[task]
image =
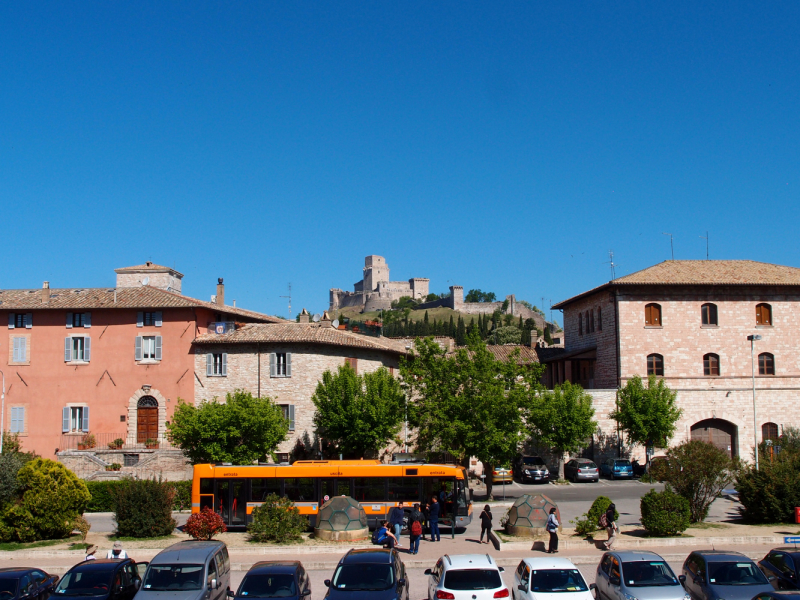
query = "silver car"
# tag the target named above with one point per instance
(637, 576)
(189, 570)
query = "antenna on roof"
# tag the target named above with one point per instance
(316, 318)
(671, 247)
(610, 262)
(705, 237)
(290, 299)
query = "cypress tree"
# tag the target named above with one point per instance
(520, 322)
(451, 330)
(461, 333)
(547, 337)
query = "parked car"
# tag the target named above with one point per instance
(466, 577)
(370, 573)
(714, 575)
(536, 577)
(501, 474)
(784, 565)
(779, 595)
(530, 468)
(19, 582)
(274, 579)
(581, 469)
(617, 468)
(643, 575)
(107, 578)
(190, 570)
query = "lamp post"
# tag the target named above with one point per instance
(3, 413)
(753, 339)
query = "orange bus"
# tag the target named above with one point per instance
(233, 491)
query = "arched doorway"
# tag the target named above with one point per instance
(146, 419)
(720, 433)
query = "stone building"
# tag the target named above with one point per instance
(689, 322)
(285, 362)
(375, 291)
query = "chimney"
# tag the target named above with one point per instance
(46, 292)
(304, 316)
(326, 320)
(220, 292)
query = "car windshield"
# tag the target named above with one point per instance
(161, 578)
(622, 463)
(472, 579)
(367, 576)
(735, 573)
(268, 585)
(645, 574)
(557, 580)
(533, 460)
(85, 582)
(8, 587)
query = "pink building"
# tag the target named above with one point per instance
(689, 322)
(111, 362)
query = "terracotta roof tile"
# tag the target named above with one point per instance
(148, 266)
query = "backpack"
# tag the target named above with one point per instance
(603, 521)
(376, 537)
(416, 528)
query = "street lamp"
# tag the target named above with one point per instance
(3, 413)
(753, 339)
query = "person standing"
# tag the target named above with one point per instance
(434, 520)
(426, 518)
(117, 551)
(90, 553)
(486, 522)
(414, 529)
(552, 529)
(611, 526)
(396, 516)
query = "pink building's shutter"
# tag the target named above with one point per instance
(85, 424)
(67, 349)
(139, 320)
(69, 320)
(65, 419)
(87, 348)
(11, 320)
(28, 320)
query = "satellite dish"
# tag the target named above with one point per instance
(335, 323)
(316, 318)
(145, 281)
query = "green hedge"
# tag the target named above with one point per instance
(103, 495)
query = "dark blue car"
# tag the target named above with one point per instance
(716, 575)
(274, 579)
(369, 574)
(784, 565)
(17, 583)
(617, 468)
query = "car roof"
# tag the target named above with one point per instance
(368, 555)
(636, 555)
(549, 563)
(793, 552)
(274, 566)
(100, 564)
(18, 570)
(720, 555)
(468, 561)
(188, 551)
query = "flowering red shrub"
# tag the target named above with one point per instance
(204, 525)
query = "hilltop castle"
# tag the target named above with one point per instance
(375, 291)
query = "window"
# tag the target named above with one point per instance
(580, 323)
(655, 365)
(766, 364)
(130, 460)
(711, 365)
(280, 364)
(591, 320)
(708, 314)
(147, 319)
(288, 414)
(217, 364)
(352, 363)
(299, 488)
(763, 314)
(369, 489)
(19, 349)
(652, 315)
(403, 489)
(75, 418)
(599, 319)
(79, 320)
(17, 419)
(260, 488)
(147, 347)
(20, 320)
(77, 349)
(769, 431)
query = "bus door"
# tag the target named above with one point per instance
(435, 486)
(231, 501)
(338, 486)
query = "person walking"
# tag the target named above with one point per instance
(611, 526)
(434, 520)
(396, 516)
(414, 529)
(117, 551)
(486, 522)
(552, 529)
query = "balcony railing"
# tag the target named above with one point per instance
(221, 327)
(99, 442)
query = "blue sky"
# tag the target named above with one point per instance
(502, 146)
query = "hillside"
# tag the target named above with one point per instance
(440, 314)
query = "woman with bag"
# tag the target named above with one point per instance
(552, 529)
(414, 529)
(486, 522)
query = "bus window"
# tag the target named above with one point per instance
(299, 489)
(206, 486)
(369, 489)
(461, 498)
(261, 487)
(334, 487)
(405, 489)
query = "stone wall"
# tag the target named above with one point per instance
(599, 306)
(168, 464)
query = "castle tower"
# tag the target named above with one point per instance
(375, 271)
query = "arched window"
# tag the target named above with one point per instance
(766, 364)
(769, 431)
(655, 365)
(591, 320)
(599, 319)
(711, 365)
(763, 314)
(652, 315)
(580, 323)
(708, 314)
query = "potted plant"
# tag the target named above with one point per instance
(151, 444)
(114, 467)
(116, 444)
(87, 441)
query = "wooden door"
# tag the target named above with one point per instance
(716, 432)
(147, 424)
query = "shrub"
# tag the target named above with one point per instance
(665, 513)
(203, 525)
(183, 495)
(770, 494)
(11, 443)
(51, 497)
(116, 444)
(143, 508)
(103, 495)
(590, 521)
(81, 524)
(10, 464)
(276, 520)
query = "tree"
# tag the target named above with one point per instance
(548, 339)
(143, 508)
(240, 430)
(461, 332)
(647, 414)
(358, 414)
(506, 335)
(562, 418)
(479, 296)
(468, 403)
(404, 302)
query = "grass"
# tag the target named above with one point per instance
(704, 525)
(12, 546)
(79, 546)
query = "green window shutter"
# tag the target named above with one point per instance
(11, 323)
(157, 317)
(87, 320)
(140, 319)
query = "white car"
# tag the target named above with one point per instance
(466, 577)
(549, 579)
